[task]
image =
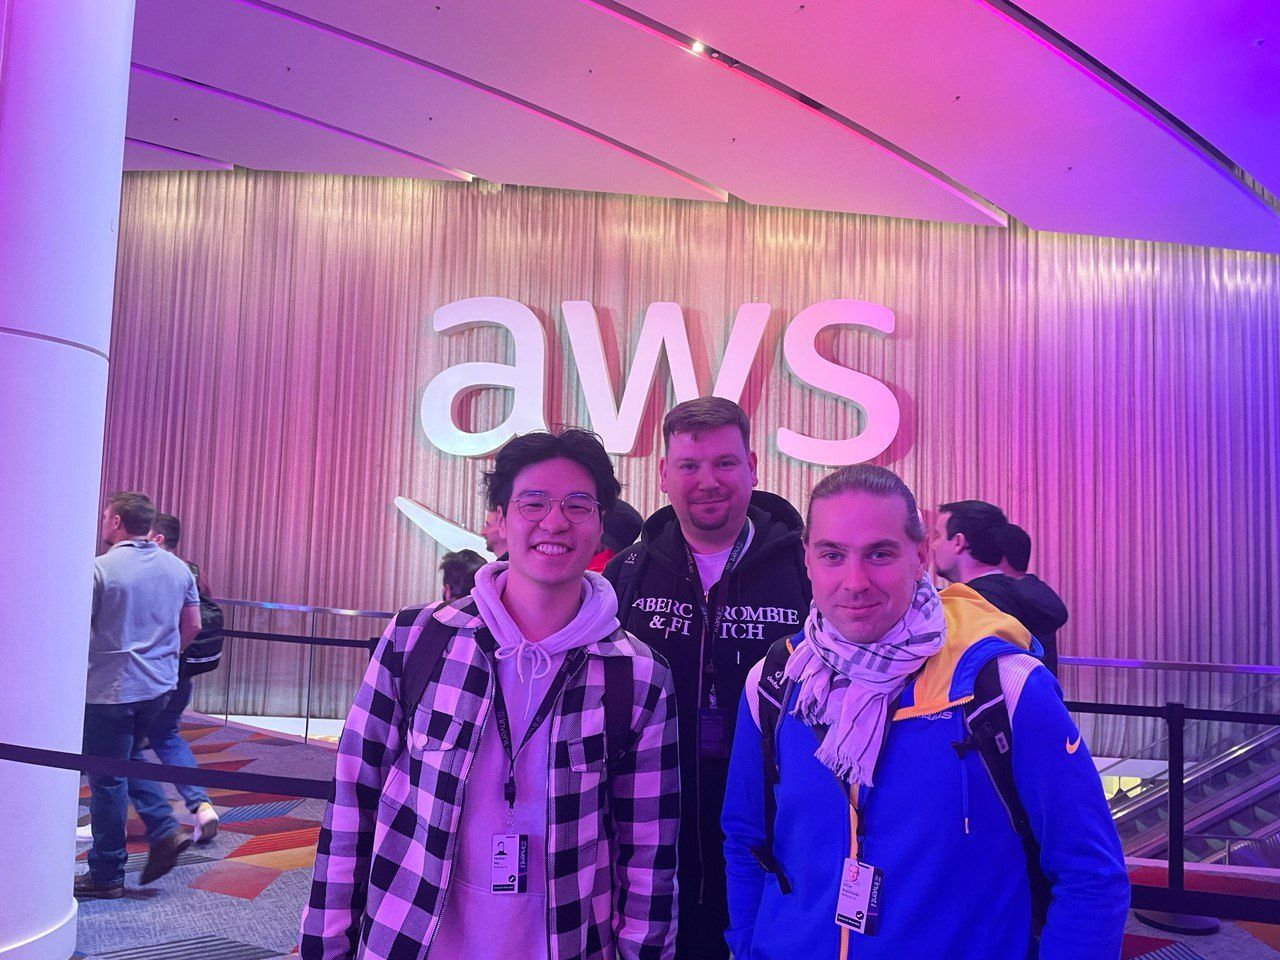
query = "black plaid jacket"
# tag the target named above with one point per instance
(385, 851)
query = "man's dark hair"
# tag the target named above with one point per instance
(169, 527)
(581, 446)
(1015, 545)
(458, 571)
(135, 510)
(705, 413)
(877, 481)
(978, 521)
(621, 527)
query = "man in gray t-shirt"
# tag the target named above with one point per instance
(145, 611)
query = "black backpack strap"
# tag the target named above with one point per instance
(991, 735)
(634, 560)
(422, 660)
(772, 694)
(619, 738)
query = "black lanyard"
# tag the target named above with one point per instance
(702, 595)
(711, 620)
(567, 669)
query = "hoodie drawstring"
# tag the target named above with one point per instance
(539, 666)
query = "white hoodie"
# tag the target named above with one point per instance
(477, 924)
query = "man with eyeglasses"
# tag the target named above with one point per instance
(507, 782)
(716, 578)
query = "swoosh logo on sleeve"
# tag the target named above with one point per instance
(1072, 747)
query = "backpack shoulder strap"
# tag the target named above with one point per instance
(423, 658)
(772, 694)
(619, 738)
(987, 718)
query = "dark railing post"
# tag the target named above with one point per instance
(1176, 718)
(311, 663)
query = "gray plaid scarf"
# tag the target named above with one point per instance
(848, 687)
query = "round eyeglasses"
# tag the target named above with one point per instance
(577, 507)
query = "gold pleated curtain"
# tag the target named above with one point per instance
(272, 339)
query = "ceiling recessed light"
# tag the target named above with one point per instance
(697, 46)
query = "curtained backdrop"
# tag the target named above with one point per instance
(272, 339)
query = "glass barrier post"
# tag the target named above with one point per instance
(227, 644)
(1176, 718)
(311, 661)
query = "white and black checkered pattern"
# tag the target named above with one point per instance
(383, 861)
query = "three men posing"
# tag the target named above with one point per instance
(551, 831)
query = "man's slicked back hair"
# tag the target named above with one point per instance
(581, 446)
(876, 481)
(979, 522)
(135, 510)
(705, 413)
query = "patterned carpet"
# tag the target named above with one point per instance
(240, 897)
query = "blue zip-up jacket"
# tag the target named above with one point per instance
(955, 879)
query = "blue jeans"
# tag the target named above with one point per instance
(169, 746)
(114, 730)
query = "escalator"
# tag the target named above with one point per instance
(1232, 805)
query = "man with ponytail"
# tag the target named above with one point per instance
(905, 780)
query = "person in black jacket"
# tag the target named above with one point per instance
(716, 578)
(975, 544)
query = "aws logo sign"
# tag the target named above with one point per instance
(616, 416)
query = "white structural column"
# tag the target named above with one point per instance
(64, 74)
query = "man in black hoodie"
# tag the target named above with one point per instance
(716, 578)
(975, 544)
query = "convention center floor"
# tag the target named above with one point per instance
(240, 896)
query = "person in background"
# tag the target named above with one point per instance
(858, 821)
(1024, 595)
(716, 577)
(494, 541)
(621, 527)
(164, 737)
(969, 544)
(146, 608)
(458, 573)
(562, 727)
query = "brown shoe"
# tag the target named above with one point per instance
(164, 855)
(87, 888)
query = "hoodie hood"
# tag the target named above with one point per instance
(1029, 599)
(596, 619)
(975, 633)
(777, 524)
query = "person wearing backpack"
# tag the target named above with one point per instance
(906, 780)
(202, 656)
(717, 576)
(507, 782)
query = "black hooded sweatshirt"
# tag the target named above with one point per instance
(1031, 602)
(764, 597)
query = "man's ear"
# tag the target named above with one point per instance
(961, 543)
(662, 474)
(751, 465)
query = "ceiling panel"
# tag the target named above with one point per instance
(1213, 65)
(961, 87)
(278, 59)
(139, 155)
(195, 119)
(575, 60)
